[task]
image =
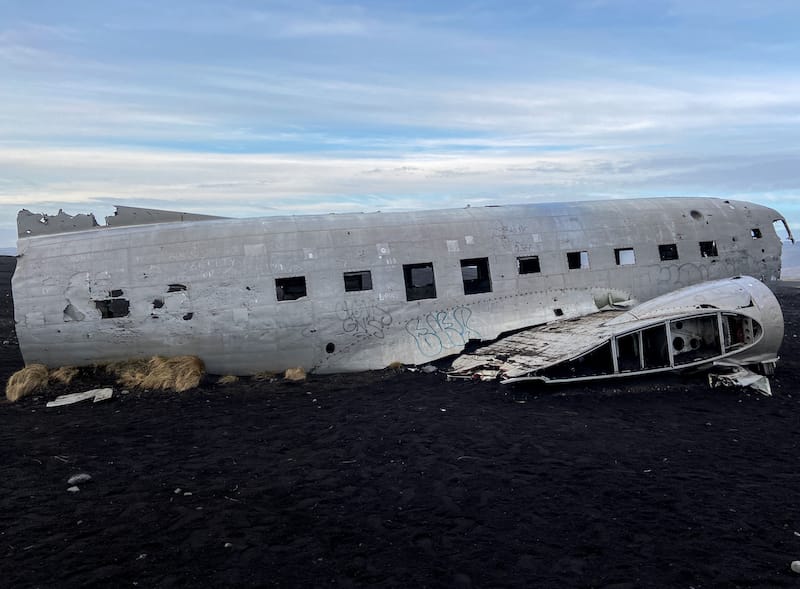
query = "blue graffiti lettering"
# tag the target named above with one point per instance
(438, 331)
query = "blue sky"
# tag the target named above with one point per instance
(245, 108)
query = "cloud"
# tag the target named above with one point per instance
(247, 107)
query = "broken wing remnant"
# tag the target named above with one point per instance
(728, 323)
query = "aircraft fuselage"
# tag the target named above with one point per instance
(348, 292)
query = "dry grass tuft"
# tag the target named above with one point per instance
(64, 375)
(23, 382)
(129, 373)
(228, 379)
(263, 376)
(396, 366)
(179, 373)
(295, 374)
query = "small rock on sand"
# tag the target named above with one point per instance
(73, 489)
(796, 566)
(77, 479)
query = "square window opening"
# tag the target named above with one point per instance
(708, 249)
(578, 260)
(625, 256)
(420, 283)
(356, 281)
(475, 275)
(290, 289)
(529, 265)
(668, 251)
(113, 308)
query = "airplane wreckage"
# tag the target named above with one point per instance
(587, 290)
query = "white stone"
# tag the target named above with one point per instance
(77, 479)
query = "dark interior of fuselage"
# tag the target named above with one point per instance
(679, 342)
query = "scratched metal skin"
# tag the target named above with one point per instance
(227, 311)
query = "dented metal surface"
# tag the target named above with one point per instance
(734, 322)
(335, 293)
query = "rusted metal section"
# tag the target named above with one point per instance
(735, 322)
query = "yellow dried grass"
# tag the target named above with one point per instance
(295, 374)
(129, 373)
(24, 382)
(63, 375)
(228, 379)
(179, 373)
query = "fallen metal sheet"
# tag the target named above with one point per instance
(95, 394)
(741, 377)
(538, 347)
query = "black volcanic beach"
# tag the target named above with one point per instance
(402, 479)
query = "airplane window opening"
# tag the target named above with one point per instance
(654, 345)
(114, 294)
(696, 215)
(475, 275)
(158, 303)
(696, 339)
(558, 312)
(782, 230)
(594, 363)
(113, 308)
(668, 251)
(738, 331)
(755, 233)
(290, 289)
(188, 316)
(578, 260)
(356, 281)
(529, 265)
(330, 348)
(625, 256)
(708, 249)
(628, 352)
(176, 288)
(420, 283)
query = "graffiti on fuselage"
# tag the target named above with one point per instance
(362, 319)
(438, 331)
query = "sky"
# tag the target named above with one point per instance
(250, 108)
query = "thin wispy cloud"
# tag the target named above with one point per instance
(316, 106)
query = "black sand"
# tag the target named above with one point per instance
(404, 480)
